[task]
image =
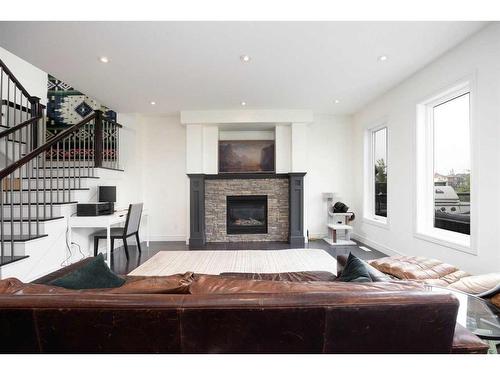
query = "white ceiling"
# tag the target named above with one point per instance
(196, 65)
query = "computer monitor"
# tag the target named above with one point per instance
(107, 194)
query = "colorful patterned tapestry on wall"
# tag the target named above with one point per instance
(67, 106)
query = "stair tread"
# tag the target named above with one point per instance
(48, 189)
(7, 259)
(55, 177)
(25, 219)
(40, 203)
(75, 166)
(22, 238)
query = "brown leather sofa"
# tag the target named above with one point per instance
(227, 314)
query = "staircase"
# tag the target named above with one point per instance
(43, 176)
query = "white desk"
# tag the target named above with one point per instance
(106, 222)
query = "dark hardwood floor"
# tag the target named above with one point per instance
(120, 265)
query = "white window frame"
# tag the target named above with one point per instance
(424, 177)
(369, 178)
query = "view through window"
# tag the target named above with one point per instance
(452, 164)
(380, 180)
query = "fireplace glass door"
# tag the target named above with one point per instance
(247, 214)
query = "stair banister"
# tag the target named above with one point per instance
(71, 155)
(14, 79)
(98, 139)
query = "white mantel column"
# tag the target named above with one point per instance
(283, 144)
(299, 147)
(194, 149)
(210, 149)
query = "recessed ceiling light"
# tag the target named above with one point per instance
(382, 58)
(245, 58)
(104, 59)
(336, 101)
(153, 103)
(243, 103)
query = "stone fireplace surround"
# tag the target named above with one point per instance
(216, 192)
(208, 194)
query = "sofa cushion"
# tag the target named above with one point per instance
(173, 284)
(355, 270)
(215, 284)
(417, 268)
(285, 276)
(95, 274)
(482, 285)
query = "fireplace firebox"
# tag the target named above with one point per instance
(246, 214)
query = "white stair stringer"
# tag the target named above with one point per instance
(49, 253)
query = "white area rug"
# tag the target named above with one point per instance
(248, 261)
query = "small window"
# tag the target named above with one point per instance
(376, 174)
(380, 170)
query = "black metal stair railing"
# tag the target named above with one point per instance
(20, 118)
(46, 176)
(39, 169)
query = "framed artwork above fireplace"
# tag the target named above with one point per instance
(246, 156)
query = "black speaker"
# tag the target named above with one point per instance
(95, 209)
(107, 194)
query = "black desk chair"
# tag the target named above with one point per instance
(131, 228)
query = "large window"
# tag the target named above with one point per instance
(376, 175)
(444, 167)
(452, 164)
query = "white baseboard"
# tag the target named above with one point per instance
(317, 236)
(340, 242)
(165, 238)
(377, 246)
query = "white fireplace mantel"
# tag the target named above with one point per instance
(255, 117)
(202, 136)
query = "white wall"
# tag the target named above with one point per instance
(164, 177)
(33, 79)
(154, 162)
(130, 187)
(328, 168)
(163, 165)
(478, 56)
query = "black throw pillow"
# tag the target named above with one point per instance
(93, 275)
(355, 271)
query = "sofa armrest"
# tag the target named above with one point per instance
(465, 342)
